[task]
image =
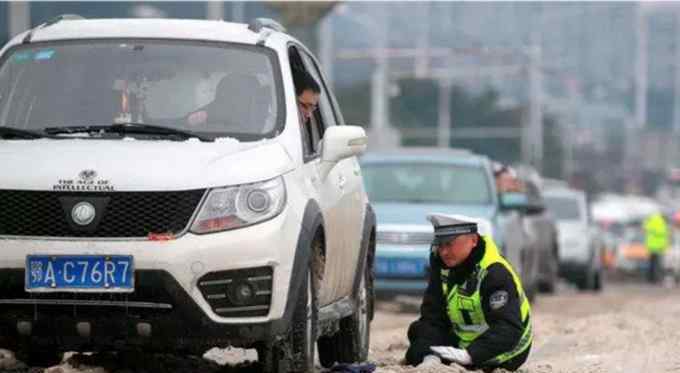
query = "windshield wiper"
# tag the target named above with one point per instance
(125, 128)
(16, 133)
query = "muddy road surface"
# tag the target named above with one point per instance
(629, 328)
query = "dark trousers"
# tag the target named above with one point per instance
(655, 268)
(422, 335)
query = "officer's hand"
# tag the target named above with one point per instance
(456, 355)
(429, 361)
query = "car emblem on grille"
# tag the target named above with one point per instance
(83, 213)
(87, 175)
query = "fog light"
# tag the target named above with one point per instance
(144, 329)
(84, 329)
(24, 328)
(242, 293)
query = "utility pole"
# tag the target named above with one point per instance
(379, 85)
(676, 92)
(326, 55)
(422, 61)
(532, 149)
(571, 122)
(379, 78)
(444, 107)
(214, 10)
(19, 17)
(632, 149)
(640, 67)
(532, 141)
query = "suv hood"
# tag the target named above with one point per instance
(412, 213)
(137, 165)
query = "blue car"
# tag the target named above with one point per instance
(405, 185)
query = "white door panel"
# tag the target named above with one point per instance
(354, 212)
(330, 201)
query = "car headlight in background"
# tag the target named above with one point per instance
(239, 206)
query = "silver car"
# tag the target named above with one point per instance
(580, 252)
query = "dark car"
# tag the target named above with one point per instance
(541, 228)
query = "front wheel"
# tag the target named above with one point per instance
(296, 352)
(598, 283)
(350, 343)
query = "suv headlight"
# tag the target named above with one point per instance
(239, 206)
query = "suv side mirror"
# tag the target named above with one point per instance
(514, 201)
(340, 142)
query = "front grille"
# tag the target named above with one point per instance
(219, 290)
(404, 238)
(125, 214)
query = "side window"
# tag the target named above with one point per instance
(309, 130)
(325, 106)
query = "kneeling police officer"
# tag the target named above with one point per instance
(474, 311)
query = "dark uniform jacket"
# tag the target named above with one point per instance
(434, 326)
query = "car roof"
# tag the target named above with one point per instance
(563, 192)
(428, 155)
(143, 28)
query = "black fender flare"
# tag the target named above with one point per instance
(367, 251)
(312, 219)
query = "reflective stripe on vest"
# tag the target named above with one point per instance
(465, 309)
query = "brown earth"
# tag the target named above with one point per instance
(629, 328)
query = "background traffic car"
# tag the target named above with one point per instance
(580, 254)
(406, 184)
(541, 228)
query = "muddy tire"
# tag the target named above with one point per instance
(350, 343)
(587, 281)
(598, 283)
(549, 284)
(296, 352)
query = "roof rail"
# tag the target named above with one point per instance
(50, 22)
(258, 24)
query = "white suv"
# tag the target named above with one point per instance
(122, 225)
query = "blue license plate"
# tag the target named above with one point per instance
(94, 273)
(410, 267)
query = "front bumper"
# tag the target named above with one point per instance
(172, 322)
(170, 273)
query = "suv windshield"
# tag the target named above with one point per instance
(216, 90)
(564, 208)
(426, 183)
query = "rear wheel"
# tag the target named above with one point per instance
(350, 343)
(526, 271)
(598, 283)
(549, 284)
(586, 281)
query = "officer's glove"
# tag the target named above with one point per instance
(429, 361)
(456, 355)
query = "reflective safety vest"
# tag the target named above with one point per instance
(465, 309)
(656, 234)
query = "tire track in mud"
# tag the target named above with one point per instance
(626, 329)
